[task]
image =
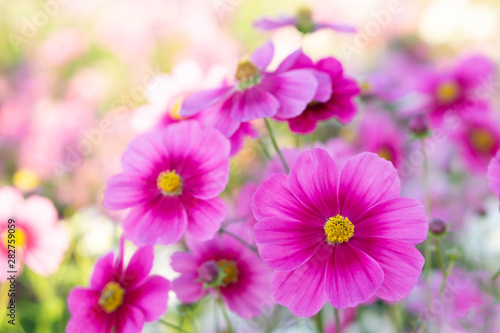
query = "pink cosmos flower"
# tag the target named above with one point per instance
(494, 174)
(171, 182)
(223, 264)
(256, 92)
(479, 141)
(302, 21)
(341, 238)
(36, 227)
(335, 102)
(119, 299)
(379, 133)
(465, 88)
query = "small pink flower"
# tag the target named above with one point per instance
(223, 264)
(334, 96)
(494, 174)
(256, 92)
(171, 182)
(462, 89)
(338, 238)
(302, 21)
(40, 241)
(119, 299)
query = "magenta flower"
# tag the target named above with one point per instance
(223, 264)
(171, 184)
(119, 300)
(256, 92)
(494, 174)
(338, 238)
(335, 102)
(34, 229)
(302, 21)
(464, 88)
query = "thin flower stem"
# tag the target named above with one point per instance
(224, 313)
(427, 244)
(337, 320)
(440, 262)
(239, 239)
(264, 149)
(494, 277)
(318, 320)
(166, 323)
(275, 145)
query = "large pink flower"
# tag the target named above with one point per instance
(256, 92)
(223, 263)
(40, 240)
(338, 238)
(494, 174)
(171, 179)
(119, 299)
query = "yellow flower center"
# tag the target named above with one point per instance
(16, 238)
(169, 183)
(482, 140)
(338, 229)
(448, 92)
(176, 107)
(229, 269)
(26, 180)
(111, 297)
(247, 74)
(385, 153)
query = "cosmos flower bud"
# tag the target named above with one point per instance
(419, 125)
(208, 272)
(437, 226)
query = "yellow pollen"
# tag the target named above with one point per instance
(111, 297)
(17, 238)
(228, 267)
(176, 107)
(385, 153)
(169, 183)
(366, 87)
(338, 229)
(447, 92)
(482, 140)
(26, 180)
(247, 73)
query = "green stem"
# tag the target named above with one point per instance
(440, 262)
(494, 277)
(337, 320)
(264, 149)
(275, 145)
(427, 244)
(318, 320)
(166, 323)
(239, 239)
(224, 313)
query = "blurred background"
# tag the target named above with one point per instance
(80, 78)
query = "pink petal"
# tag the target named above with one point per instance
(324, 91)
(203, 100)
(129, 319)
(204, 216)
(184, 262)
(138, 268)
(254, 103)
(85, 312)
(161, 221)
(219, 118)
(303, 124)
(366, 180)
(187, 289)
(271, 24)
(38, 210)
(399, 218)
(286, 244)
(151, 297)
(104, 272)
(352, 277)
(295, 60)
(293, 90)
(402, 265)
(263, 55)
(337, 27)
(12, 200)
(146, 155)
(125, 190)
(273, 198)
(494, 174)
(313, 180)
(303, 290)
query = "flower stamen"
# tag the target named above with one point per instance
(111, 297)
(338, 229)
(447, 92)
(169, 182)
(247, 74)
